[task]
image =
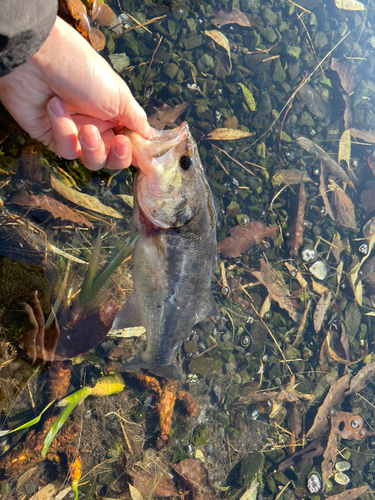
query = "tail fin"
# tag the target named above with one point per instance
(170, 372)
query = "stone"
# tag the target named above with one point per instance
(306, 119)
(119, 61)
(171, 70)
(270, 16)
(205, 63)
(193, 41)
(279, 73)
(200, 435)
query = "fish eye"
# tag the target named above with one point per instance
(185, 162)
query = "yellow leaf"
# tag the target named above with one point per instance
(227, 134)
(349, 5)
(134, 493)
(126, 198)
(221, 40)
(83, 200)
(318, 287)
(320, 310)
(344, 147)
(248, 97)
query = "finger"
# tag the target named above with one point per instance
(120, 154)
(65, 134)
(94, 152)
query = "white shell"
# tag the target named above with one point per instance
(319, 270)
(342, 466)
(341, 478)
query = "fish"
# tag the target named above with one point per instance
(175, 253)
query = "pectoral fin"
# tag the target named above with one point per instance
(207, 308)
(128, 316)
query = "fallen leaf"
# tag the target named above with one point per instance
(365, 135)
(126, 198)
(331, 164)
(274, 282)
(347, 72)
(227, 134)
(369, 228)
(335, 397)
(295, 239)
(248, 97)
(290, 177)
(363, 377)
(83, 200)
(344, 148)
(348, 425)
(349, 5)
(244, 238)
(329, 457)
(252, 492)
(315, 449)
(167, 115)
(350, 494)
(152, 483)
(337, 246)
(321, 309)
(367, 198)
(221, 18)
(345, 215)
(323, 191)
(221, 40)
(195, 477)
(55, 208)
(134, 493)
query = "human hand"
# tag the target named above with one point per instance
(69, 98)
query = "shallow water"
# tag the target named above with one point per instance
(252, 372)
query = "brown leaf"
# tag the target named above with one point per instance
(335, 397)
(344, 148)
(345, 215)
(337, 246)
(166, 115)
(348, 113)
(227, 134)
(321, 309)
(244, 238)
(83, 200)
(367, 198)
(55, 208)
(295, 239)
(323, 191)
(329, 456)
(315, 449)
(148, 483)
(222, 18)
(195, 477)
(347, 72)
(274, 282)
(221, 40)
(369, 229)
(368, 272)
(363, 377)
(290, 177)
(365, 135)
(331, 164)
(351, 494)
(348, 425)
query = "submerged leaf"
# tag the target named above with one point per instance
(365, 135)
(83, 200)
(321, 309)
(349, 5)
(221, 40)
(347, 72)
(221, 18)
(248, 97)
(274, 282)
(345, 215)
(290, 177)
(244, 238)
(166, 115)
(344, 147)
(295, 239)
(227, 134)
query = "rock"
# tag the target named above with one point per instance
(231, 122)
(269, 34)
(306, 119)
(119, 61)
(320, 40)
(171, 70)
(248, 467)
(200, 435)
(205, 63)
(192, 42)
(270, 16)
(278, 74)
(202, 366)
(294, 51)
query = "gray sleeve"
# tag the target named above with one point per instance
(24, 26)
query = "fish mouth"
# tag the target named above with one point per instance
(149, 153)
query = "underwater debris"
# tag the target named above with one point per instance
(243, 238)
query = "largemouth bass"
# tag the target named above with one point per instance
(175, 254)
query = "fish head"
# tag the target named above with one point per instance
(169, 177)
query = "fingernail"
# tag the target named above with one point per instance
(122, 150)
(91, 139)
(56, 107)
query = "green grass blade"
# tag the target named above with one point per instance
(28, 424)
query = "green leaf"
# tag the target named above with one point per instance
(248, 97)
(28, 424)
(327, 81)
